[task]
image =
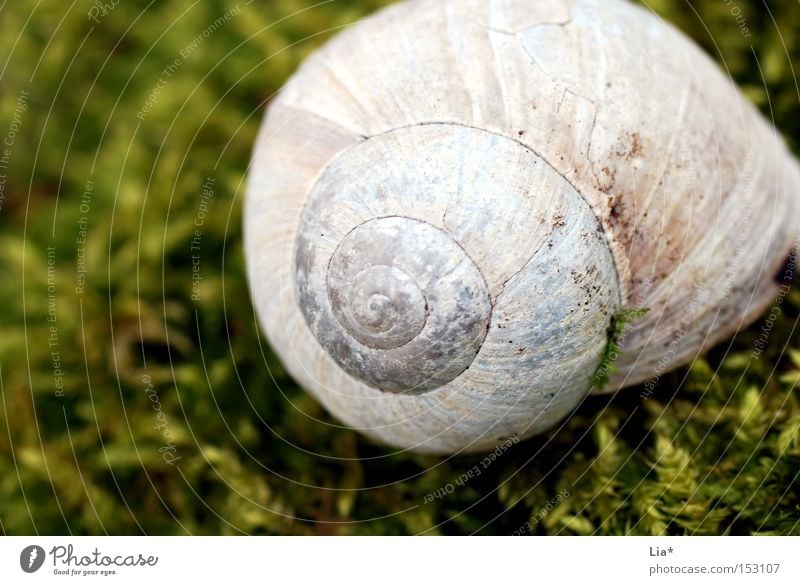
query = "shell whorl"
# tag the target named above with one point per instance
(408, 242)
(407, 308)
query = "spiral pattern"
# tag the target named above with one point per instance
(443, 284)
(409, 274)
(407, 309)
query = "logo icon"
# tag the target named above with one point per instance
(31, 558)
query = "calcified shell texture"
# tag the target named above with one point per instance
(451, 200)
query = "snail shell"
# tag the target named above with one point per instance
(451, 200)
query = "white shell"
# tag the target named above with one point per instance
(450, 201)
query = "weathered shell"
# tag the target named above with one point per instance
(451, 200)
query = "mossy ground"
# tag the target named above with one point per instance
(715, 449)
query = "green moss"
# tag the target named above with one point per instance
(619, 327)
(714, 449)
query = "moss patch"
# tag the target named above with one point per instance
(139, 399)
(617, 330)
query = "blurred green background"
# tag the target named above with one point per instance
(134, 403)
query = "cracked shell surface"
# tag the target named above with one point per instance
(555, 162)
